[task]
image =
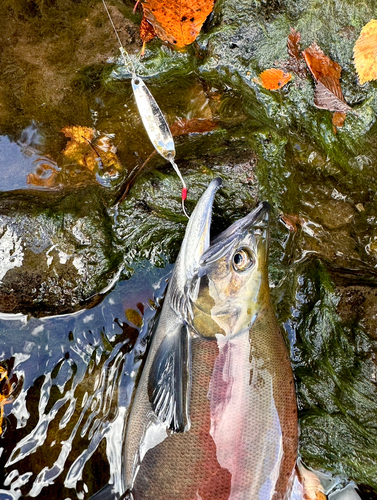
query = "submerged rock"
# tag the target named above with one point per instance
(56, 251)
(61, 250)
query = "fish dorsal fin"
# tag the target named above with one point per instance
(168, 383)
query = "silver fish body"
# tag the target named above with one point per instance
(214, 415)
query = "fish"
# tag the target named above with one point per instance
(214, 415)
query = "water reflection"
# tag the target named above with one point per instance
(19, 159)
(88, 157)
(73, 377)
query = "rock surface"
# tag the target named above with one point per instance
(62, 248)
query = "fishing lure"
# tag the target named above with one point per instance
(151, 115)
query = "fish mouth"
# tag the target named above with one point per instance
(255, 223)
(197, 236)
(257, 218)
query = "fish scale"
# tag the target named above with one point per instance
(187, 451)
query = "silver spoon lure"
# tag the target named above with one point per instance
(151, 115)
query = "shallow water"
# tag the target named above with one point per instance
(71, 376)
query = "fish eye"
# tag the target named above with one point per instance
(242, 259)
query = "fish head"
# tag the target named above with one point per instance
(232, 287)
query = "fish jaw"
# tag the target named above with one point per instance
(231, 295)
(196, 241)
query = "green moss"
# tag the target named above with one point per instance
(334, 369)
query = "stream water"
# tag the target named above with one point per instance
(82, 277)
(72, 378)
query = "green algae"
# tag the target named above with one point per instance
(333, 361)
(269, 145)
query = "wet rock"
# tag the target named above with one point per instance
(333, 355)
(335, 214)
(56, 251)
(63, 251)
(358, 304)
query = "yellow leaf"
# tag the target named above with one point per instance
(365, 53)
(90, 151)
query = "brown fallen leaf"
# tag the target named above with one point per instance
(193, 126)
(291, 221)
(296, 62)
(365, 53)
(45, 175)
(338, 120)
(327, 93)
(134, 317)
(326, 99)
(147, 33)
(274, 78)
(177, 21)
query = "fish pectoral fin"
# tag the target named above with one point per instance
(180, 301)
(169, 380)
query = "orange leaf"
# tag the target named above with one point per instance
(274, 79)
(4, 398)
(365, 53)
(177, 21)
(328, 93)
(338, 119)
(193, 126)
(147, 31)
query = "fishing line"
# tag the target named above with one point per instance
(151, 115)
(123, 51)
